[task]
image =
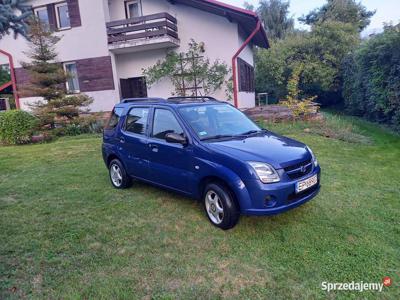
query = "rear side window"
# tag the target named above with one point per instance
(165, 122)
(136, 120)
(114, 119)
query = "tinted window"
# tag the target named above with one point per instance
(136, 120)
(165, 122)
(114, 119)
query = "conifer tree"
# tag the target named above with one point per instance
(14, 15)
(47, 80)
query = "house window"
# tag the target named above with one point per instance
(62, 16)
(42, 15)
(133, 9)
(246, 76)
(73, 80)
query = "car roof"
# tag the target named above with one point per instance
(171, 101)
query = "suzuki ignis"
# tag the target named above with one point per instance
(208, 150)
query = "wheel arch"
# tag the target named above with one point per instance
(216, 179)
(111, 157)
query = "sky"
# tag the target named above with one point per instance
(386, 10)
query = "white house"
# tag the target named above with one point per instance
(106, 43)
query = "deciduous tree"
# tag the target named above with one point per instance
(345, 11)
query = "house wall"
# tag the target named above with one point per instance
(84, 42)
(220, 37)
(89, 41)
(245, 99)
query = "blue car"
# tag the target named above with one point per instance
(208, 150)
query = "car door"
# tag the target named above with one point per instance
(170, 164)
(134, 141)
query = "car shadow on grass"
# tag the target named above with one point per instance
(194, 207)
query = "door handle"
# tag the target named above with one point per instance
(153, 147)
(122, 140)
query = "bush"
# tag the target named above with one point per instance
(299, 107)
(92, 124)
(321, 52)
(371, 78)
(16, 127)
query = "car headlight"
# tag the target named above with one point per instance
(314, 159)
(265, 172)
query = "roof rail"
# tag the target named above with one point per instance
(151, 99)
(192, 98)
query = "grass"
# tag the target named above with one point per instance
(66, 233)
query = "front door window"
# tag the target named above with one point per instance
(165, 122)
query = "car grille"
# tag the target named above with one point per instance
(299, 170)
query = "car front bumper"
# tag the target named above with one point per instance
(270, 199)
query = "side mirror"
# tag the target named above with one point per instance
(175, 138)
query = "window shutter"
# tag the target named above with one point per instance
(52, 16)
(95, 74)
(246, 76)
(74, 14)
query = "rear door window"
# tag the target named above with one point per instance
(136, 120)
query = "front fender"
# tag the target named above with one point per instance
(208, 168)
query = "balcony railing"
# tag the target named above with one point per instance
(142, 28)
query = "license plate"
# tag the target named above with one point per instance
(306, 183)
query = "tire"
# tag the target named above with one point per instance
(220, 206)
(118, 176)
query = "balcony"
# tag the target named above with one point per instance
(142, 33)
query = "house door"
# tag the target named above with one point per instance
(133, 87)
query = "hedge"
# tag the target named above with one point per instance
(372, 78)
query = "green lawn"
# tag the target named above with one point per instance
(66, 233)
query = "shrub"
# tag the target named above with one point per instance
(85, 124)
(299, 107)
(91, 124)
(371, 78)
(16, 127)
(73, 129)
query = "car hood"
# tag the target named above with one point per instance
(276, 150)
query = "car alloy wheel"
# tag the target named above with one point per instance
(116, 175)
(214, 207)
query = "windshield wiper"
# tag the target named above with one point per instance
(251, 132)
(217, 137)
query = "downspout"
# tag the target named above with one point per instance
(235, 89)
(13, 80)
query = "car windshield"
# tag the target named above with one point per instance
(218, 121)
